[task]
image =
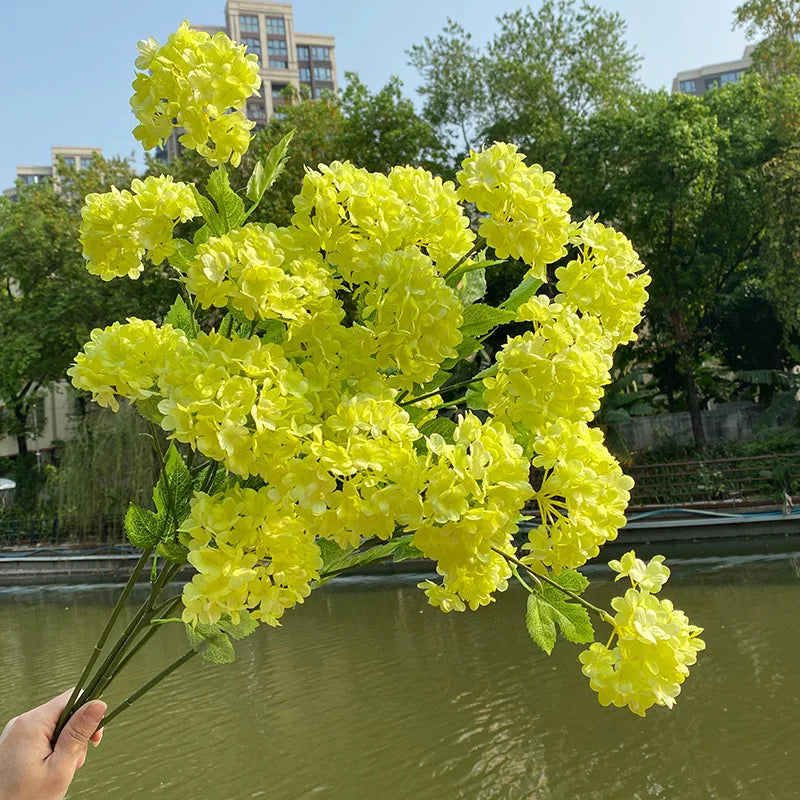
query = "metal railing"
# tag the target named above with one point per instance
(50, 529)
(722, 480)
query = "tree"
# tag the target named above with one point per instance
(775, 24)
(48, 301)
(539, 80)
(684, 178)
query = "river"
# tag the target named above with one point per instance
(366, 692)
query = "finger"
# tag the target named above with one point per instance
(71, 744)
(49, 712)
(96, 737)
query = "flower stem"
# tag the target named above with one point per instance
(130, 700)
(120, 604)
(604, 615)
(479, 243)
(440, 390)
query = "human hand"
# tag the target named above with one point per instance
(30, 767)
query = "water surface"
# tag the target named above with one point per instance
(366, 692)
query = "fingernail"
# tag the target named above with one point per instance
(95, 711)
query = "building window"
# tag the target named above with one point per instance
(275, 25)
(323, 74)
(86, 161)
(69, 161)
(689, 87)
(729, 77)
(321, 53)
(712, 83)
(253, 45)
(256, 111)
(29, 179)
(248, 24)
(302, 53)
(305, 73)
(277, 47)
(276, 63)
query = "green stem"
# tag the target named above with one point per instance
(479, 243)
(167, 607)
(440, 390)
(129, 701)
(140, 620)
(604, 615)
(120, 604)
(212, 473)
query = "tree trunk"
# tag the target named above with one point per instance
(26, 475)
(693, 402)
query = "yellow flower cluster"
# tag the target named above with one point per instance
(528, 218)
(557, 370)
(582, 497)
(475, 490)
(655, 647)
(125, 360)
(605, 280)
(352, 215)
(249, 555)
(200, 83)
(258, 270)
(118, 228)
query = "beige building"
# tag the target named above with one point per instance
(699, 81)
(286, 57)
(50, 417)
(80, 157)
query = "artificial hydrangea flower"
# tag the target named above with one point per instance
(119, 228)
(655, 646)
(200, 83)
(528, 218)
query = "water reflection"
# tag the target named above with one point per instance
(367, 692)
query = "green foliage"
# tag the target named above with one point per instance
(442, 426)
(211, 643)
(107, 462)
(336, 559)
(774, 25)
(180, 317)
(549, 608)
(143, 528)
(230, 206)
(522, 293)
(480, 319)
(266, 172)
(48, 301)
(535, 84)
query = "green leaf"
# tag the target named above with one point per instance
(212, 644)
(333, 556)
(173, 551)
(268, 171)
(143, 528)
(525, 439)
(472, 287)
(229, 205)
(479, 319)
(548, 607)
(241, 629)
(474, 396)
(202, 235)
(541, 627)
(406, 551)
(272, 331)
(148, 408)
(216, 225)
(183, 255)
(219, 481)
(172, 496)
(180, 317)
(526, 289)
(455, 278)
(442, 425)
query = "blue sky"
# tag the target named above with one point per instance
(67, 66)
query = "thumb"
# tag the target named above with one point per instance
(71, 745)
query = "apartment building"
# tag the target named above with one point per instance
(80, 157)
(286, 56)
(699, 81)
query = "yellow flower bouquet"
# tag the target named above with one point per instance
(317, 427)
